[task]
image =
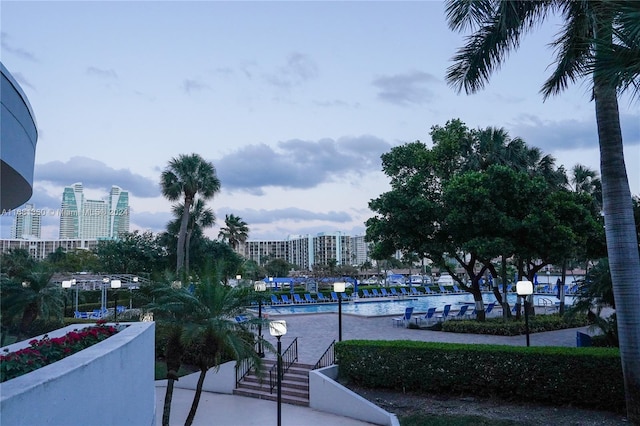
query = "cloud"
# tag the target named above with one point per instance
(298, 69)
(5, 40)
(155, 222)
(570, 134)
(190, 85)
(97, 175)
(299, 164)
(106, 74)
(405, 89)
(293, 214)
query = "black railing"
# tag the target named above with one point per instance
(242, 369)
(289, 356)
(328, 357)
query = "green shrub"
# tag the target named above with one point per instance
(512, 327)
(549, 375)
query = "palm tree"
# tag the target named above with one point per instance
(584, 180)
(187, 176)
(235, 231)
(595, 42)
(200, 217)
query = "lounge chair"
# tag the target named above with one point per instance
(320, 297)
(404, 291)
(415, 292)
(394, 292)
(334, 296)
(427, 317)
(427, 290)
(308, 299)
(365, 293)
(445, 313)
(241, 319)
(375, 292)
(345, 296)
(285, 299)
(457, 289)
(461, 313)
(275, 300)
(297, 299)
(489, 308)
(404, 319)
(442, 289)
(384, 292)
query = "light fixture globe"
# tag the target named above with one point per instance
(66, 284)
(339, 287)
(116, 283)
(260, 286)
(278, 328)
(524, 288)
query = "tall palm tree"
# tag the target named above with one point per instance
(595, 41)
(201, 217)
(585, 180)
(235, 231)
(185, 177)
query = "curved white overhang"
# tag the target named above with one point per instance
(18, 139)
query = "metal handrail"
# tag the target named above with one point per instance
(289, 356)
(242, 369)
(328, 357)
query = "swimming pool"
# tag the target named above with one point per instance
(368, 308)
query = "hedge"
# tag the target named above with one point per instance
(581, 377)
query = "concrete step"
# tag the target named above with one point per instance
(295, 384)
(287, 399)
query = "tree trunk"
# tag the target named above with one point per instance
(187, 245)
(182, 235)
(622, 244)
(196, 398)
(28, 316)
(166, 411)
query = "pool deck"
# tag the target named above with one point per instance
(315, 332)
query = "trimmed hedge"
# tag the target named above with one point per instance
(500, 327)
(583, 377)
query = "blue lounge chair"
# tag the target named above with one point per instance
(320, 297)
(404, 319)
(415, 292)
(334, 296)
(345, 296)
(427, 317)
(442, 289)
(297, 298)
(285, 299)
(445, 313)
(241, 319)
(375, 292)
(365, 293)
(274, 300)
(404, 291)
(427, 290)
(489, 308)
(394, 292)
(384, 292)
(461, 313)
(308, 299)
(457, 289)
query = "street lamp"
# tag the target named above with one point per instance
(279, 329)
(525, 289)
(103, 295)
(69, 284)
(238, 278)
(115, 284)
(339, 289)
(260, 287)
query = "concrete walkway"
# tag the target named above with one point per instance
(315, 333)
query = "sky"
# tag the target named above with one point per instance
(292, 102)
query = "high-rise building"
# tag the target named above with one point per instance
(26, 223)
(84, 218)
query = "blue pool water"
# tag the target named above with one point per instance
(394, 306)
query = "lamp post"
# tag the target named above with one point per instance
(103, 294)
(66, 284)
(339, 287)
(260, 287)
(238, 278)
(279, 329)
(525, 289)
(115, 284)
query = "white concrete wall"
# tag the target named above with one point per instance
(110, 383)
(325, 394)
(221, 381)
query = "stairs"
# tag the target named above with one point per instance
(295, 384)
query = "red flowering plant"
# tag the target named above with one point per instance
(49, 350)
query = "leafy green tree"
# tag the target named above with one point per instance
(235, 231)
(201, 217)
(277, 268)
(184, 178)
(598, 41)
(133, 253)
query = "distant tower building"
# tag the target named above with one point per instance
(70, 211)
(83, 218)
(26, 223)
(118, 212)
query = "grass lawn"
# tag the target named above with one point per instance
(452, 420)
